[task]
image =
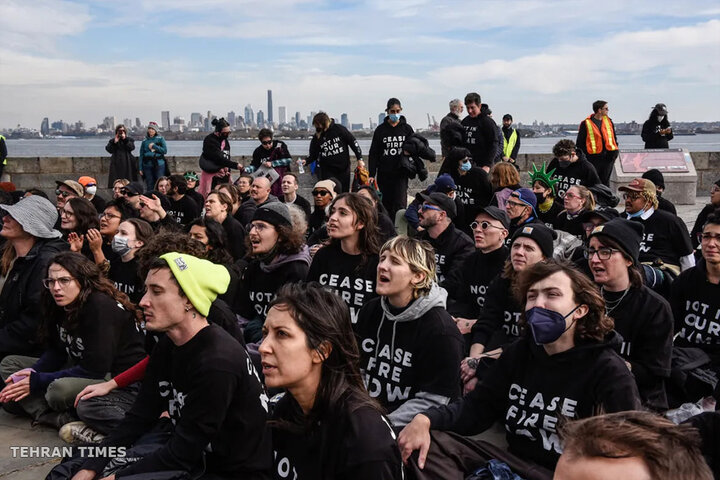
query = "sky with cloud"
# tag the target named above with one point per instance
(539, 60)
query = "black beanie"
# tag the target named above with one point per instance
(625, 233)
(274, 213)
(655, 176)
(541, 234)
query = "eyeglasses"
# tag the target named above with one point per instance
(259, 226)
(427, 206)
(65, 213)
(588, 226)
(109, 216)
(571, 195)
(631, 196)
(321, 193)
(515, 204)
(267, 143)
(603, 253)
(62, 192)
(706, 237)
(484, 225)
(63, 281)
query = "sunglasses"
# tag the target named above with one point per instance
(62, 192)
(631, 196)
(484, 225)
(128, 193)
(321, 193)
(427, 206)
(267, 143)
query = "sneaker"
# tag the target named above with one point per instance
(77, 433)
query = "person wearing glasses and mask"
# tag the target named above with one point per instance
(89, 330)
(666, 242)
(642, 317)
(31, 241)
(123, 164)
(465, 303)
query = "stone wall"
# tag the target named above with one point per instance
(42, 172)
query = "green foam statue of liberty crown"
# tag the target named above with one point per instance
(543, 176)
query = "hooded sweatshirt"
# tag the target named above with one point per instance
(386, 147)
(499, 320)
(332, 148)
(481, 138)
(410, 357)
(579, 172)
(452, 247)
(476, 273)
(531, 391)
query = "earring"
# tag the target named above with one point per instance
(187, 309)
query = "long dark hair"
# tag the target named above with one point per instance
(365, 213)
(290, 241)
(325, 320)
(217, 240)
(85, 214)
(376, 199)
(91, 279)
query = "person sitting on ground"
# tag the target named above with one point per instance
(218, 206)
(66, 190)
(499, 322)
(521, 209)
(260, 191)
(590, 219)
(666, 242)
(543, 185)
(153, 208)
(577, 200)
(247, 204)
(192, 178)
(132, 235)
(504, 179)
(385, 224)
(77, 217)
(201, 376)
(410, 346)
(707, 210)
(451, 245)
(100, 241)
(290, 187)
(278, 255)
(162, 185)
(271, 154)
(326, 425)
(564, 367)
(656, 176)
(631, 446)
(118, 185)
(231, 191)
(571, 168)
(465, 303)
(347, 265)
(182, 207)
(444, 183)
(90, 188)
(89, 329)
(695, 301)
(642, 317)
(30, 243)
(323, 193)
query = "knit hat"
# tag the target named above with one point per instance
(541, 234)
(328, 185)
(497, 213)
(87, 181)
(274, 213)
(154, 126)
(201, 280)
(456, 154)
(37, 216)
(627, 234)
(190, 175)
(655, 176)
(444, 184)
(441, 200)
(526, 196)
(72, 185)
(661, 108)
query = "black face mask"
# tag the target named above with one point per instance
(564, 163)
(224, 135)
(540, 198)
(318, 130)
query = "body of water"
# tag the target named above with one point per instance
(95, 147)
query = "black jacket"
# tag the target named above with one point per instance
(476, 273)
(261, 154)
(580, 172)
(214, 157)
(452, 248)
(481, 138)
(332, 148)
(386, 147)
(452, 133)
(236, 237)
(20, 311)
(246, 211)
(122, 163)
(651, 133)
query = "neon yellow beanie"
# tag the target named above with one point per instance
(201, 280)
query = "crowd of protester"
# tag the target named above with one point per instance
(217, 327)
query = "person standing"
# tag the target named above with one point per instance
(511, 143)
(656, 131)
(596, 138)
(451, 130)
(151, 160)
(215, 159)
(385, 157)
(330, 146)
(481, 133)
(122, 162)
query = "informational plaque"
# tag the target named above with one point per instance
(667, 160)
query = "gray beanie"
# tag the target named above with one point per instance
(274, 213)
(36, 215)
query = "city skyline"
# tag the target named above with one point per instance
(84, 59)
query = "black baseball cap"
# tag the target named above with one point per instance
(441, 200)
(497, 213)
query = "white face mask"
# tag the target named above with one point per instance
(91, 190)
(660, 118)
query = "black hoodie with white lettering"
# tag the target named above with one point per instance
(410, 356)
(530, 391)
(386, 147)
(351, 277)
(477, 272)
(499, 321)
(579, 172)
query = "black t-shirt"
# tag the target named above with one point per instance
(666, 237)
(126, 278)
(580, 172)
(349, 442)
(570, 224)
(343, 274)
(475, 276)
(184, 210)
(302, 203)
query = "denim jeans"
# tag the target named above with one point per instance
(152, 174)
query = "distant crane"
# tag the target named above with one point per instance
(435, 124)
(429, 122)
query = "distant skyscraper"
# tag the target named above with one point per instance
(381, 118)
(282, 116)
(344, 120)
(260, 119)
(356, 126)
(45, 126)
(231, 118)
(138, 125)
(270, 107)
(249, 116)
(297, 119)
(195, 119)
(128, 123)
(165, 120)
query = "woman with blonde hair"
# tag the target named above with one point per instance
(577, 200)
(505, 179)
(409, 345)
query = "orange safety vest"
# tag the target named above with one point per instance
(594, 138)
